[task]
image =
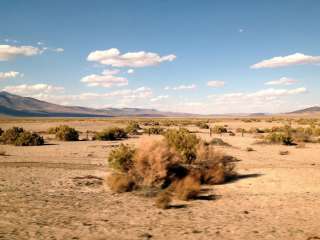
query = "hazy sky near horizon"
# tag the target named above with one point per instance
(203, 56)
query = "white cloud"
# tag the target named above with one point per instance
(11, 74)
(8, 52)
(159, 98)
(32, 90)
(113, 58)
(216, 84)
(130, 71)
(181, 87)
(106, 79)
(40, 43)
(241, 30)
(294, 59)
(262, 96)
(59, 50)
(282, 81)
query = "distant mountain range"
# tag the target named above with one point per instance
(17, 106)
(315, 109)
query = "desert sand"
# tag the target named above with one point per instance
(57, 191)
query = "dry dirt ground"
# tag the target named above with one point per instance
(57, 191)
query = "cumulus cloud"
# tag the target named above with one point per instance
(216, 84)
(114, 58)
(11, 74)
(282, 81)
(32, 90)
(181, 87)
(107, 79)
(8, 52)
(284, 61)
(130, 71)
(159, 98)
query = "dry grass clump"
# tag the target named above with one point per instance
(164, 199)
(202, 125)
(111, 134)
(213, 166)
(133, 128)
(219, 129)
(156, 164)
(20, 137)
(154, 130)
(65, 133)
(187, 188)
(119, 182)
(219, 142)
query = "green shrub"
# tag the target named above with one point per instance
(66, 133)
(184, 142)
(29, 139)
(19, 137)
(121, 158)
(281, 138)
(11, 135)
(133, 128)
(110, 134)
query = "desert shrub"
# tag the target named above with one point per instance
(151, 123)
(279, 138)
(154, 130)
(202, 125)
(218, 142)
(1, 131)
(164, 199)
(121, 158)
(29, 139)
(66, 133)
(156, 164)
(53, 130)
(120, 183)
(133, 128)
(109, 134)
(184, 142)
(19, 137)
(256, 130)
(188, 187)
(213, 166)
(219, 129)
(11, 135)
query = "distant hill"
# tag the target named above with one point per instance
(18, 106)
(315, 109)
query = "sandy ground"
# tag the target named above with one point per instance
(57, 191)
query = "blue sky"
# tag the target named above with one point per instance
(191, 56)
